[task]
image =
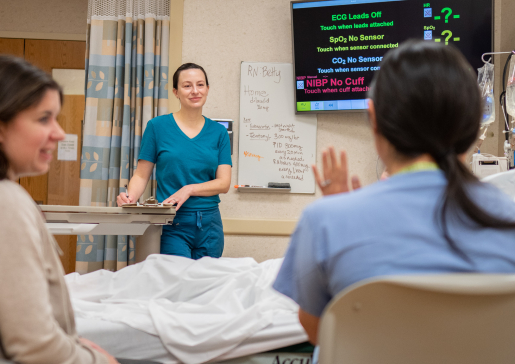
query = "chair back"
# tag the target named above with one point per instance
(430, 319)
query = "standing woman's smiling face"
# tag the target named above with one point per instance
(30, 139)
(192, 88)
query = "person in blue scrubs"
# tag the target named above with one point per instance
(430, 216)
(192, 156)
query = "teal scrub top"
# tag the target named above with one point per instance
(182, 161)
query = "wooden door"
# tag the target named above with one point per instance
(60, 186)
(47, 55)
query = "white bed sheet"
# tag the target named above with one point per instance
(198, 311)
(123, 341)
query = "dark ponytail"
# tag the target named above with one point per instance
(427, 101)
(22, 86)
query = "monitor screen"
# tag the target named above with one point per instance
(224, 123)
(339, 44)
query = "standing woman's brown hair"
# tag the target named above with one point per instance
(22, 86)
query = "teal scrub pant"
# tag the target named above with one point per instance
(194, 234)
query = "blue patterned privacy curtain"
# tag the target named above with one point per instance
(126, 86)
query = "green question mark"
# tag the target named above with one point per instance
(448, 14)
(448, 37)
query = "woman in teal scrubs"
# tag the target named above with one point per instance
(192, 155)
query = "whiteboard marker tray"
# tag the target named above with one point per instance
(263, 189)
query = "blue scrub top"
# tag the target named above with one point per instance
(389, 228)
(182, 161)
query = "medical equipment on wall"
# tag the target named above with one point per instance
(227, 123)
(486, 164)
(486, 85)
(510, 89)
(507, 102)
(485, 80)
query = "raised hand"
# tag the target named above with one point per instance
(334, 178)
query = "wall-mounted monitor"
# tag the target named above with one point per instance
(227, 123)
(339, 44)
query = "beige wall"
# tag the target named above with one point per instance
(44, 19)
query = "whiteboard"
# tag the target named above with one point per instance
(275, 144)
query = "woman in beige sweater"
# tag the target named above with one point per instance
(36, 317)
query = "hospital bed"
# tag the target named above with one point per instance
(124, 341)
(275, 344)
(171, 309)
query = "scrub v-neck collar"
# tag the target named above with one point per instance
(174, 122)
